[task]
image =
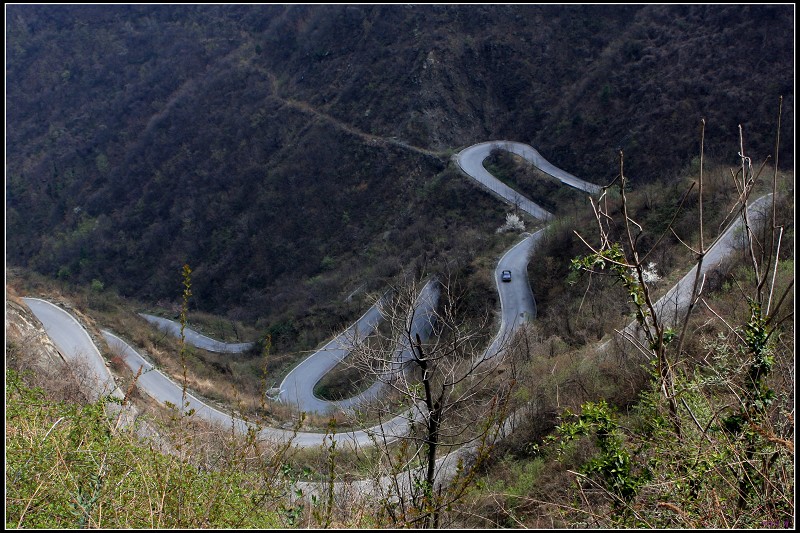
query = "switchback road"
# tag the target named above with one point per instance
(517, 305)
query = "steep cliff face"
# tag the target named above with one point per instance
(273, 147)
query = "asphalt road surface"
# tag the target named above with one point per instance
(470, 160)
(197, 339)
(75, 345)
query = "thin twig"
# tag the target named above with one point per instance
(775, 269)
(695, 420)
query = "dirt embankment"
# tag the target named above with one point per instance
(30, 350)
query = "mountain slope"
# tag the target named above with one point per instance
(268, 146)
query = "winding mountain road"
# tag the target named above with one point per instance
(159, 386)
(517, 306)
(517, 303)
(470, 161)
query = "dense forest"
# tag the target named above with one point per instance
(295, 154)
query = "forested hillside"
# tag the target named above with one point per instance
(294, 154)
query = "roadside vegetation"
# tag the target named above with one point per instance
(691, 426)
